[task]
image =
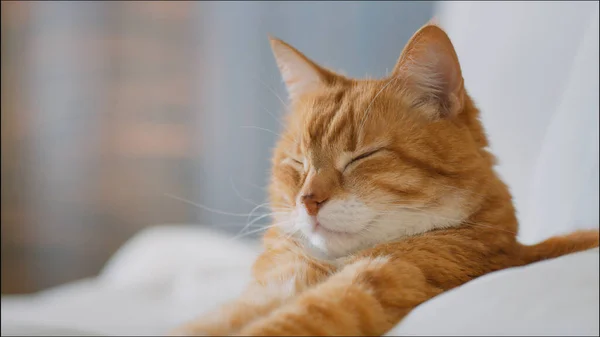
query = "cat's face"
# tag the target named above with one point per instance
(368, 161)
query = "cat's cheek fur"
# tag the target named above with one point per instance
(402, 222)
(286, 221)
(349, 215)
(342, 229)
(361, 226)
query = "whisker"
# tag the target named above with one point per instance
(272, 91)
(270, 131)
(239, 194)
(258, 230)
(206, 208)
(250, 223)
(265, 204)
(263, 188)
(254, 209)
(259, 128)
(274, 117)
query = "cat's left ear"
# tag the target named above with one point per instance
(429, 69)
(300, 74)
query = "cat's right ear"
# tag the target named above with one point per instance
(300, 74)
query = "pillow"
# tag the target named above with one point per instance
(553, 297)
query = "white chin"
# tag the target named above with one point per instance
(330, 244)
(340, 230)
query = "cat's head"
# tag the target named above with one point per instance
(365, 161)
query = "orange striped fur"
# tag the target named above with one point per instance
(385, 196)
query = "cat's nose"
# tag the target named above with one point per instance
(313, 202)
(318, 187)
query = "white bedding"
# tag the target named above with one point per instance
(168, 274)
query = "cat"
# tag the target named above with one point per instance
(385, 196)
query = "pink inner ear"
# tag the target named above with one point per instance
(431, 70)
(299, 73)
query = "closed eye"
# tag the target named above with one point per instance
(362, 156)
(296, 163)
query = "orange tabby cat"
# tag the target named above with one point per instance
(385, 196)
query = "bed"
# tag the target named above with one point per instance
(168, 274)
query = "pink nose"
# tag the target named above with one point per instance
(312, 203)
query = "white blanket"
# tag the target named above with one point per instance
(167, 275)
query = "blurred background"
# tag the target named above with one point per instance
(117, 116)
(114, 113)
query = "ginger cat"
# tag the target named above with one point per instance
(385, 196)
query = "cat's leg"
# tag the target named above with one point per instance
(366, 298)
